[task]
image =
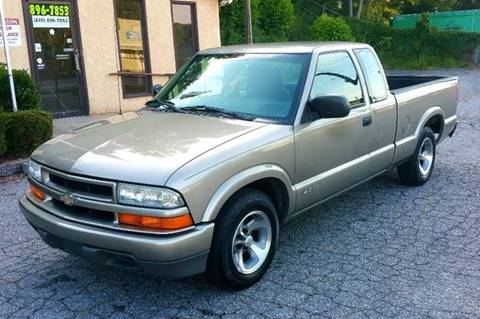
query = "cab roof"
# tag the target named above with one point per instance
(282, 47)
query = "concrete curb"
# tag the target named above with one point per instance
(13, 167)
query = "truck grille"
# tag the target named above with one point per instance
(83, 187)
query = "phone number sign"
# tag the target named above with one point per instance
(13, 32)
(50, 15)
(51, 22)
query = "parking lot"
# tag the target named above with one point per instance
(382, 250)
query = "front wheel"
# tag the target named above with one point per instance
(245, 240)
(419, 167)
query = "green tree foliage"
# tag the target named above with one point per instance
(382, 11)
(422, 47)
(232, 23)
(419, 48)
(272, 21)
(419, 6)
(327, 28)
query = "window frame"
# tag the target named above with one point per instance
(365, 75)
(146, 52)
(196, 42)
(359, 75)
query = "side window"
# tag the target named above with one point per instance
(377, 89)
(336, 75)
(130, 17)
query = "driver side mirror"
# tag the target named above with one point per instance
(156, 89)
(330, 106)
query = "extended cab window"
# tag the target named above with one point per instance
(377, 88)
(336, 75)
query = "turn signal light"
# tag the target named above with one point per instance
(160, 223)
(37, 192)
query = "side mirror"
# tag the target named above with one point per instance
(156, 89)
(330, 106)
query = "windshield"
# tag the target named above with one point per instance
(262, 86)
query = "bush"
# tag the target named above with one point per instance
(327, 28)
(26, 90)
(3, 131)
(26, 131)
(419, 48)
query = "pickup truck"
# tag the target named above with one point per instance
(240, 140)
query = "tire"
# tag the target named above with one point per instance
(419, 167)
(224, 267)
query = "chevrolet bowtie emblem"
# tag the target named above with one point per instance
(68, 199)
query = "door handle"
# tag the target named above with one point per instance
(77, 61)
(367, 120)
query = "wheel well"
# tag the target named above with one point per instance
(436, 124)
(276, 190)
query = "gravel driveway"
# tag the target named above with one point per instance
(382, 250)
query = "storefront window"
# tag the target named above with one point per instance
(133, 59)
(184, 31)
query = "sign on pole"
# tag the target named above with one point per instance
(7, 56)
(13, 32)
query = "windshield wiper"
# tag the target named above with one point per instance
(156, 103)
(193, 94)
(211, 109)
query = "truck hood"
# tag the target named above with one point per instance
(145, 147)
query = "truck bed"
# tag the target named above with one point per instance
(418, 97)
(397, 82)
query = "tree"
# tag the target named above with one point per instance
(382, 11)
(359, 8)
(272, 21)
(419, 6)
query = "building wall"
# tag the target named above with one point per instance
(100, 54)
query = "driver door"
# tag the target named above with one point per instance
(332, 154)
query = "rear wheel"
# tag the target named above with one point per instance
(244, 241)
(419, 167)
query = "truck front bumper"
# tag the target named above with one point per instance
(177, 255)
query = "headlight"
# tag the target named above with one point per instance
(35, 171)
(136, 195)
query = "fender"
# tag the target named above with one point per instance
(431, 112)
(243, 178)
(405, 147)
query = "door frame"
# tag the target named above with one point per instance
(83, 90)
(308, 190)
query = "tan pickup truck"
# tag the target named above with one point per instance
(240, 140)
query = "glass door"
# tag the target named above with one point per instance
(56, 57)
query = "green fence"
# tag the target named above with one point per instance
(467, 21)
